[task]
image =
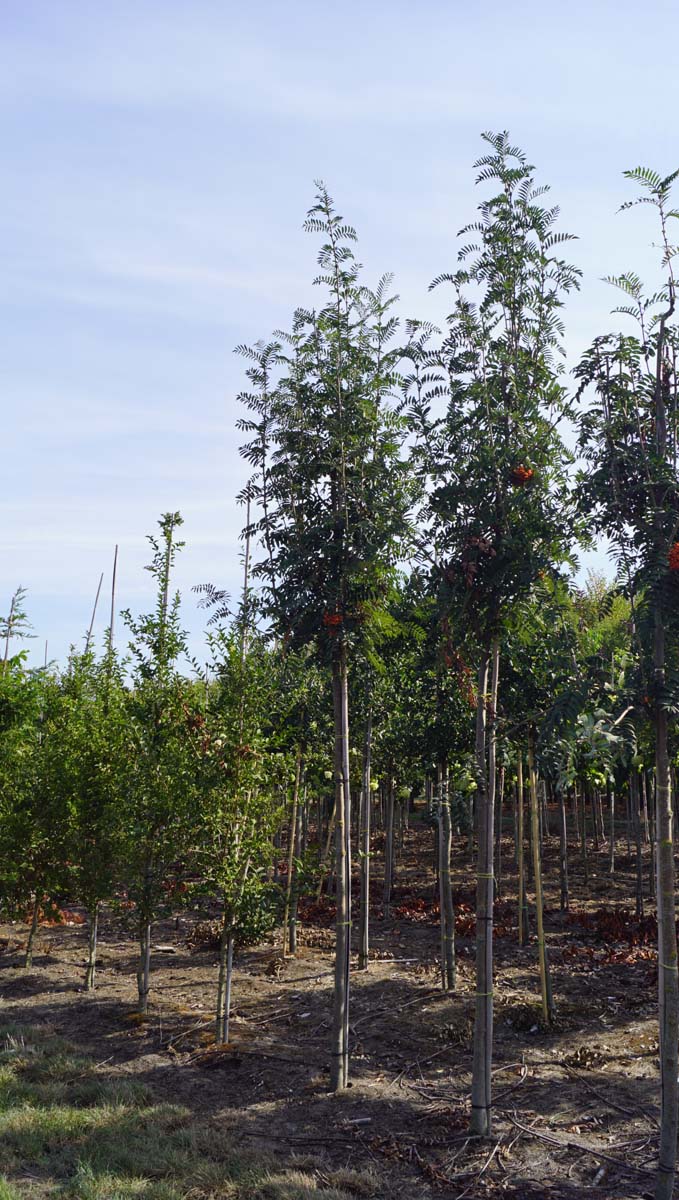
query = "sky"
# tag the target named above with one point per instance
(158, 159)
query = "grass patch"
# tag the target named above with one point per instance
(68, 1130)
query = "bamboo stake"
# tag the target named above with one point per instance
(88, 639)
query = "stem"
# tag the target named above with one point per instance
(92, 947)
(364, 918)
(144, 971)
(291, 848)
(446, 894)
(537, 873)
(668, 983)
(28, 961)
(485, 772)
(339, 1070)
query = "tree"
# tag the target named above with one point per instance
(333, 492)
(497, 497)
(238, 812)
(161, 783)
(629, 436)
(94, 755)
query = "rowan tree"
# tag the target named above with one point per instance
(629, 437)
(495, 465)
(333, 492)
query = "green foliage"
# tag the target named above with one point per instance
(160, 782)
(331, 485)
(498, 508)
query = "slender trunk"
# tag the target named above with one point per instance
(522, 872)
(498, 826)
(144, 971)
(635, 805)
(364, 917)
(291, 848)
(583, 835)
(544, 813)
(439, 873)
(389, 846)
(515, 826)
(545, 989)
(325, 857)
(339, 1071)
(304, 838)
(485, 772)
(611, 809)
(226, 944)
(644, 799)
(653, 854)
(563, 852)
(28, 960)
(92, 947)
(447, 914)
(668, 989)
(294, 894)
(594, 802)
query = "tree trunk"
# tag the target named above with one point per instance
(545, 989)
(388, 845)
(485, 773)
(292, 837)
(611, 809)
(563, 851)
(447, 914)
(92, 947)
(144, 972)
(635, 804)
(325, 857)
(521, 899)
(225, 978)
(653, 855)
(28, 960)
(498, 831)
(583, 835)
(644, 798)
(515, 825)
(339, 1070)
(294, 894)
(668, 983)
(364, 918)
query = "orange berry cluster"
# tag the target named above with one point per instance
(332, 622)
(522, 474)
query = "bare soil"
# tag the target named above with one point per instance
(576, 1106)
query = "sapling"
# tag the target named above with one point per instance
(160, 814)
(631, 491)
(333, 493)
(497, 503)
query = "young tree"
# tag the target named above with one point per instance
(333, 492)
(160, 814)
(94, 756)
(33, 822)
(631, 491)
(238, 810)
(497, 496)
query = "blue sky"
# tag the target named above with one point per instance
(158, 160)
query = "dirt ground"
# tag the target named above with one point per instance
(576, 1106)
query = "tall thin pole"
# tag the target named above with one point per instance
(113, 599)
(94, 613)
